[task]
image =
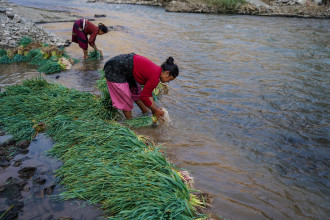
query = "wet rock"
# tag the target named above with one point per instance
(26, 188)
(4, 163)
(99, 15)
(23, 144)
(46, 191)
(40, 180)
(27, 172)
(65, 218)
(67, 43)
(40, 194)
(23, 151)
(44, 172)
(17, 163)
(12, 188)
(2, 153)
(10, 158)
(49, 218)
(50, 189)
(7, 143)
(2, 133)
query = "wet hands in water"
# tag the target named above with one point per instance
(101, 53)
(159, 113)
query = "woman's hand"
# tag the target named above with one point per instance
(159, 113)
(101, 53)
(99, 50)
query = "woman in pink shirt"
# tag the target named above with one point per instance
(126, 72)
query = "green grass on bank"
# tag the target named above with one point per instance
(103, 162)
(225, 6)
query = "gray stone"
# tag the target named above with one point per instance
(6, 34)
(12, 43)
(10, 14)
(22, 32)
(17, 19)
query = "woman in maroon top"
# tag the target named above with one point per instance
(126, 72)
(82, 28)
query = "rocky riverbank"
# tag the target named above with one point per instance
(18, 21)
(287, 8)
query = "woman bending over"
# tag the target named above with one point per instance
(82, 28)
(126, 72)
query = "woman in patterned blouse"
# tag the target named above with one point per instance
(81, 29)
(126, 72)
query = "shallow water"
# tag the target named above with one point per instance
(40, 199)
(250, 106)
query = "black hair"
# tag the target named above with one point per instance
(103, 28)
(169, 65)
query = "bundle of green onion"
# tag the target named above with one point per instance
(44, 56)
(25, 41)
(142, 121)
(103, 162)
(94, 55)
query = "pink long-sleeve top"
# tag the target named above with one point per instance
(146, 73)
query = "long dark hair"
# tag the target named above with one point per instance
(169, 65)
(103, 28)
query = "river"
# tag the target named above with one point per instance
(251, 106)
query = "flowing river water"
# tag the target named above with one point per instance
(251, 106)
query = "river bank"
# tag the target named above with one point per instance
(18, 21)
(284, 8)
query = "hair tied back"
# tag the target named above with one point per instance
(170, 60)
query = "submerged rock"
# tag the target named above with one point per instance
(99, 15)
(27, 172)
